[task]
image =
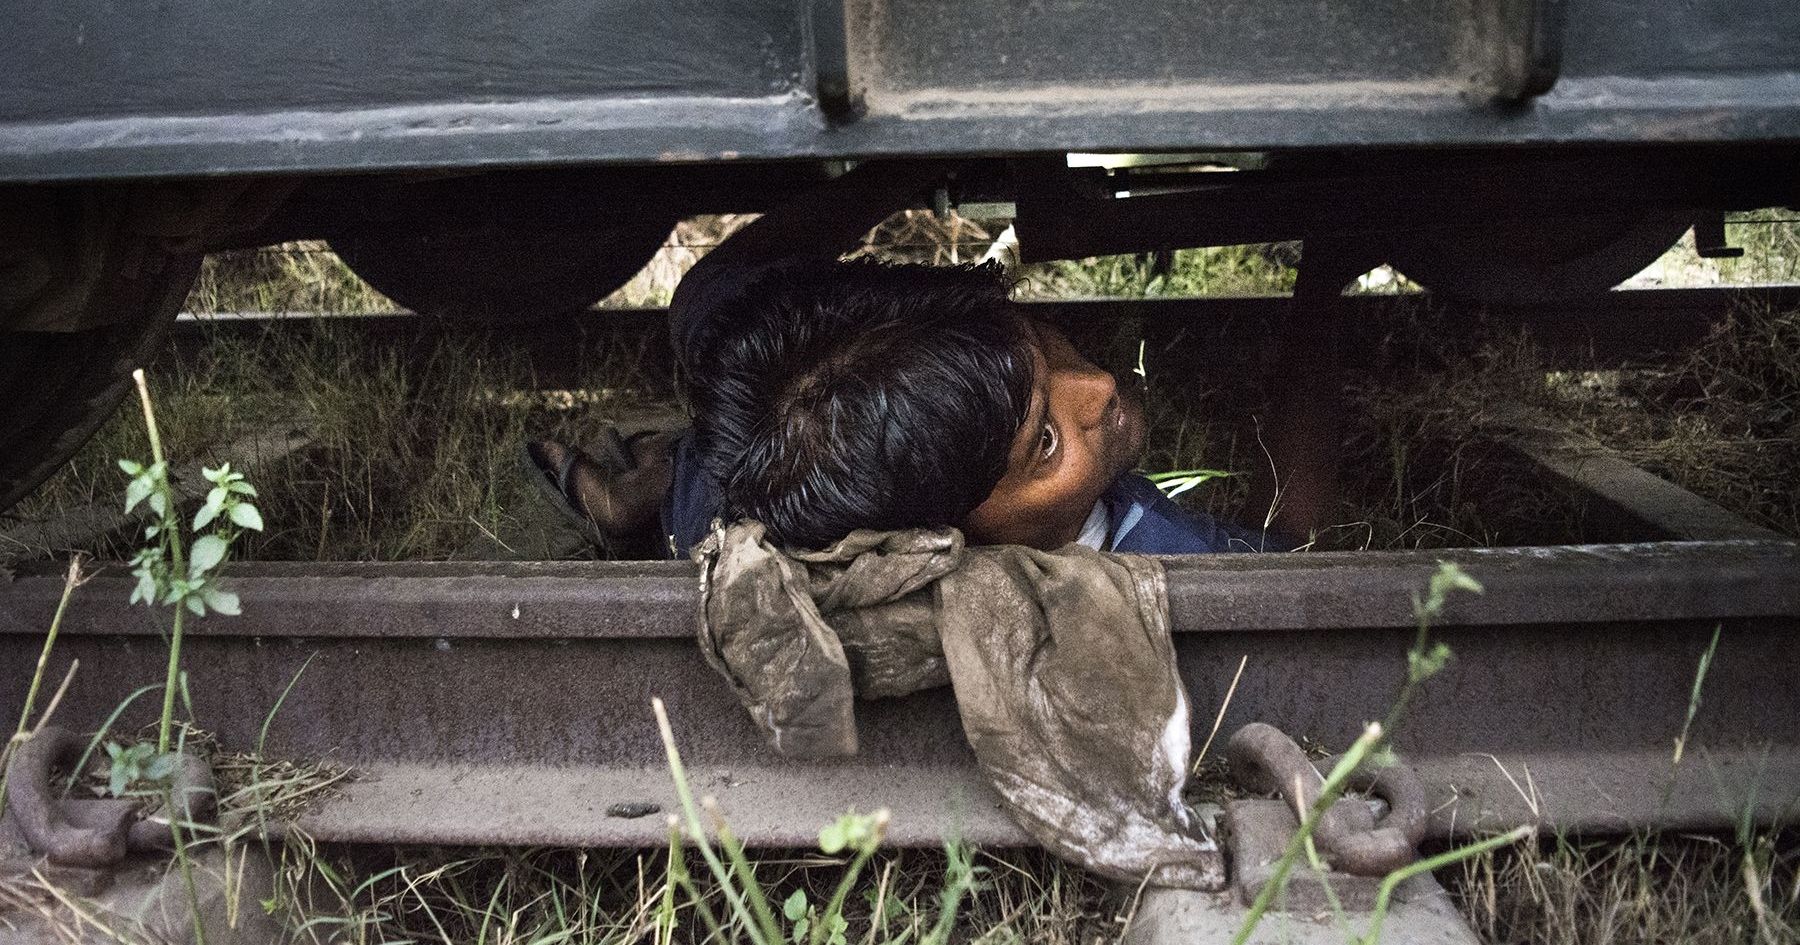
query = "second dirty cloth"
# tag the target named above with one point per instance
(1061, 662)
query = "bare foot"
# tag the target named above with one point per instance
(619, 503)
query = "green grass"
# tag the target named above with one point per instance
(1770, 240)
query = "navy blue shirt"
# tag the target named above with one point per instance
(1143, 521)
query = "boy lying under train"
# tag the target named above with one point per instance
(828, 396)
(854, 424)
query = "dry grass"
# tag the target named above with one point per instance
(249, 786)
(303, 276)
(1644, 890)
(1723, 423)
(1425, 466)
(503, 897)
(415, 452)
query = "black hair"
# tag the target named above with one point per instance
(841, 395)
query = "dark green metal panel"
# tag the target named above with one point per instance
(97, 89)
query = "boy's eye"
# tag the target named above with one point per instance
(1047, 441)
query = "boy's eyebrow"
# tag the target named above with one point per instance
(1019, 456)
(1021, 453)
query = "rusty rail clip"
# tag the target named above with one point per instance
(95, 832)
(1264, 760)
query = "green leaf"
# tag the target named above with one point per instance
(159, 503)
(131, 467)
(113, 750)
(207, 552)
(195, 604)
(241, 488)
(146, 587)
(137, 491)
(833, 839)
(795, 906)
(215, 501)
(216, 475)
(1423, 666)
(852, 831)
(160, 768)
(221, 601)
(116, 781)
(246, 516)
(1460, 580)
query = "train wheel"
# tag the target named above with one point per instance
(84, 299)
(501, 273)
(1523, 263)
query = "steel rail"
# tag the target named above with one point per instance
(1555, 584)
(1606, 331)
(1617, 498)
(508, 703)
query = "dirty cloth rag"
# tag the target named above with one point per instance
(1061, 662)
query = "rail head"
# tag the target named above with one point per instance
(1565, 584)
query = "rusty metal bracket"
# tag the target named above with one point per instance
(95, 832)
(88, 834)
(1266, 761)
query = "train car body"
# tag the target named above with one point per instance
(98, 90)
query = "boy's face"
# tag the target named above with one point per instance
(1080, 432)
